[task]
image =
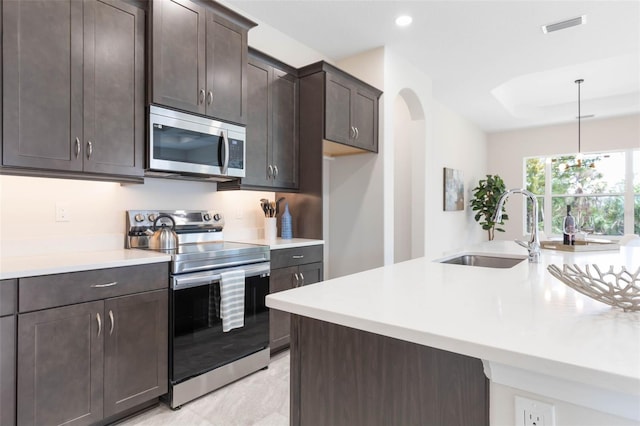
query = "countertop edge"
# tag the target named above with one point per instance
(280, 243)
(21, 267)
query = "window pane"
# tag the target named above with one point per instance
(603, 215)
(596, 174)
(535, 175)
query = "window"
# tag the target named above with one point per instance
(600, 188)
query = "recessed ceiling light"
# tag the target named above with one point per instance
(564, 24)
(404, 20)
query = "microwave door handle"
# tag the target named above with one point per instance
(225, 164)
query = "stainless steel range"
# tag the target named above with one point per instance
(202, 355)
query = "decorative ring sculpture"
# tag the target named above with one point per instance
(621, 289)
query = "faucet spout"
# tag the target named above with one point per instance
(533, 246)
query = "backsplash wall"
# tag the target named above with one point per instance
(97, 211)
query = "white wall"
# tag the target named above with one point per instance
(458, 144)
(506, 151)
(449, 141)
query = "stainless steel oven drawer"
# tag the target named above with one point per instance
(49, 291)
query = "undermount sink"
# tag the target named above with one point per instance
(485, 261)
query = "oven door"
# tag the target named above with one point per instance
(197, 341)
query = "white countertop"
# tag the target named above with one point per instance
(521, 317)
(29, 266)
(280, 243)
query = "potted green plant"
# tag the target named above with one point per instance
(485, 201)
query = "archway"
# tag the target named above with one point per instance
(409, 176)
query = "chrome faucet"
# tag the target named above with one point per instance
(534, 243)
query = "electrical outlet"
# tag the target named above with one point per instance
(239, 213)
(530, 412)
(63, 213)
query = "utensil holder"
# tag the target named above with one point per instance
(270, 228)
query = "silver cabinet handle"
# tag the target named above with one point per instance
(225, 164)
(298, 256)
(357, 132)
(77, 147)
(111, 284)
(275, 172)
(353, 132)
(89, 149)
(270, 171)
(201, 98)
(297, 280)
(112, 322)
(302, 277)
(99, 323)
(209, 97)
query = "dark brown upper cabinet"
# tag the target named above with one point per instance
(272, 126)
(350, 109)
(73, 87)
(199, 59)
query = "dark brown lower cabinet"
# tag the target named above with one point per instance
(60, 367)
(135, 349)
(343, 376)
(284, 279)
(81, 363)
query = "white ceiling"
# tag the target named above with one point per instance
(489, 60)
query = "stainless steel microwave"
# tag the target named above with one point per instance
(189, 144)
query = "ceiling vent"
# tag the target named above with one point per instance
(564, 24)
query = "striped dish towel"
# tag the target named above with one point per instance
(232, 299)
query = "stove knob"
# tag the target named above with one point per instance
(152, 217)
(216, 217)
(206, 217)
(139, 217)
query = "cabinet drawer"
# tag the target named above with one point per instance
(296, 256)
(7, 297)
(49, 291)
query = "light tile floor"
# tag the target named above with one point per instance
(261, 399)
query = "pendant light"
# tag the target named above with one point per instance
(578, 158)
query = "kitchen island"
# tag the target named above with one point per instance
(523, 328)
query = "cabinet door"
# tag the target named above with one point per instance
(258, 123)
(42, 84)
(178, 40)
(338, 109)
(226, 70)
(279, 321)
(114, 88)
(60, 365)
(365, 120)
(284, 143)
(8, 370)
(310, 273)
(136, 345)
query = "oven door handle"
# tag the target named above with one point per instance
(180, 282)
